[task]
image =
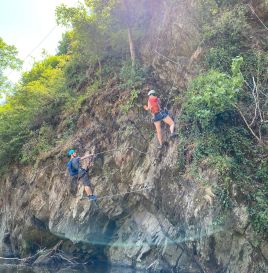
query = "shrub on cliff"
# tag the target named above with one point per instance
(213, 93)
(215, 112)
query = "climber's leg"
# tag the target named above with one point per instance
(73, 182)
(88, 190)
(87, 187)
(168, 120)
(158, 132)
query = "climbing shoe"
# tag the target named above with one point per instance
(173, 135)
(92, 197)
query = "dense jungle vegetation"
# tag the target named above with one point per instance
(224, 120)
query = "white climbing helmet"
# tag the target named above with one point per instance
(151, 92)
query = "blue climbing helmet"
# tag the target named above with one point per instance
(70, 152)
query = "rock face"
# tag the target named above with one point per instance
(166, 223)
(148, 215)
(173, 40)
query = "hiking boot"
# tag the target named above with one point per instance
(92, 197)
(159, 147)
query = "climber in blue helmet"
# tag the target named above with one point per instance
(77, 172)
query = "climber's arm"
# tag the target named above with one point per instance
(147, 107)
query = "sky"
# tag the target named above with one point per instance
(26, 23)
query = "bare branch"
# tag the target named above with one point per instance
(247, 124)
(255, 99)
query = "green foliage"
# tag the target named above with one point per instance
(226, 33)
(100, 33)
(66, 43)
(259, 210)
(93, 42)
(259, 198)
(213, 93)
(93, 32)
(224, 198)
(221, 142)
(228, 150)
(46, 72)
(132, 76)
(8, 59)
(41, 141)
(101, 9)
(89, 40)
(134, 94)
(70, 16)
(229, 26)
(74, 102)
(8, 56)
(39, 91)
(256, 64)
(229, 33)
(75, 72)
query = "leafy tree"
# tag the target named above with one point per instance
(8, 59)
(66, 44)
(89, 42)
(131, 17)
(122, 9)
(22, 112)
(104, 28)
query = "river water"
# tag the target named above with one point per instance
(89, 269)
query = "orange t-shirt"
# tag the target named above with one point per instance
(153, 102)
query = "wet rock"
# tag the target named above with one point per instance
(49, 261)
(158, 266)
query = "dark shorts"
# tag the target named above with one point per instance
(84, 178)
(160, 116)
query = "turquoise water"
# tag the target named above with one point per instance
(91, 269)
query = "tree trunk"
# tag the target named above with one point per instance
(131, 46)
(129, 31)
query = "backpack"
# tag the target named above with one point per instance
(71, 169)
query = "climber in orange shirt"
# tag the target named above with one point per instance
(158, 116)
